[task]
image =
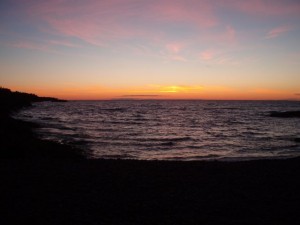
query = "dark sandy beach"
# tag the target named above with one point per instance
(48, 183)
(35, 191)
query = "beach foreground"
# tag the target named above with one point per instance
(148, 192)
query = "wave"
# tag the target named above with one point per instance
(124, 122)
(180, 129)
(113, 109)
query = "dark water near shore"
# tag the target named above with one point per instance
(171, 130)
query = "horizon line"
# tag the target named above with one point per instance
(187, 99)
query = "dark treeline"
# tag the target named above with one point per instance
(11, 101)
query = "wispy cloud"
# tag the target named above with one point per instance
(265, 7)
(174, 47)
(298, 94)
(140, 95)
(170, 30)
(100, 22)
(45, 46)
(217, 57)
(230, 34)
(227, 60)
(63, 43)
(278, 31)
(173, 51)
(207, 55)
(176, 58)
(199, 13)
(29, 45)
(177, 88)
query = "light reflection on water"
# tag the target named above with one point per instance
(170, 130)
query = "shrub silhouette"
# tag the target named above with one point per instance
(12, 101)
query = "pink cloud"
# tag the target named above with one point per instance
(230, 34)
(174, 47)
(111, 23)
(100, 22)
(227, 36)
(174, 51)
(118, 23)
(207, 55)
(95, 22)
(278, 31)
(200, 13)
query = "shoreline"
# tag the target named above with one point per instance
(17, 139)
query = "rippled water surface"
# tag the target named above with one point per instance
(170, 130)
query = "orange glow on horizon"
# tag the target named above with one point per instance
(159, 92)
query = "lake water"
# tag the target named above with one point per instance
(170, 130)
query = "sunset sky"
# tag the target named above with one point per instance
(158, 49)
